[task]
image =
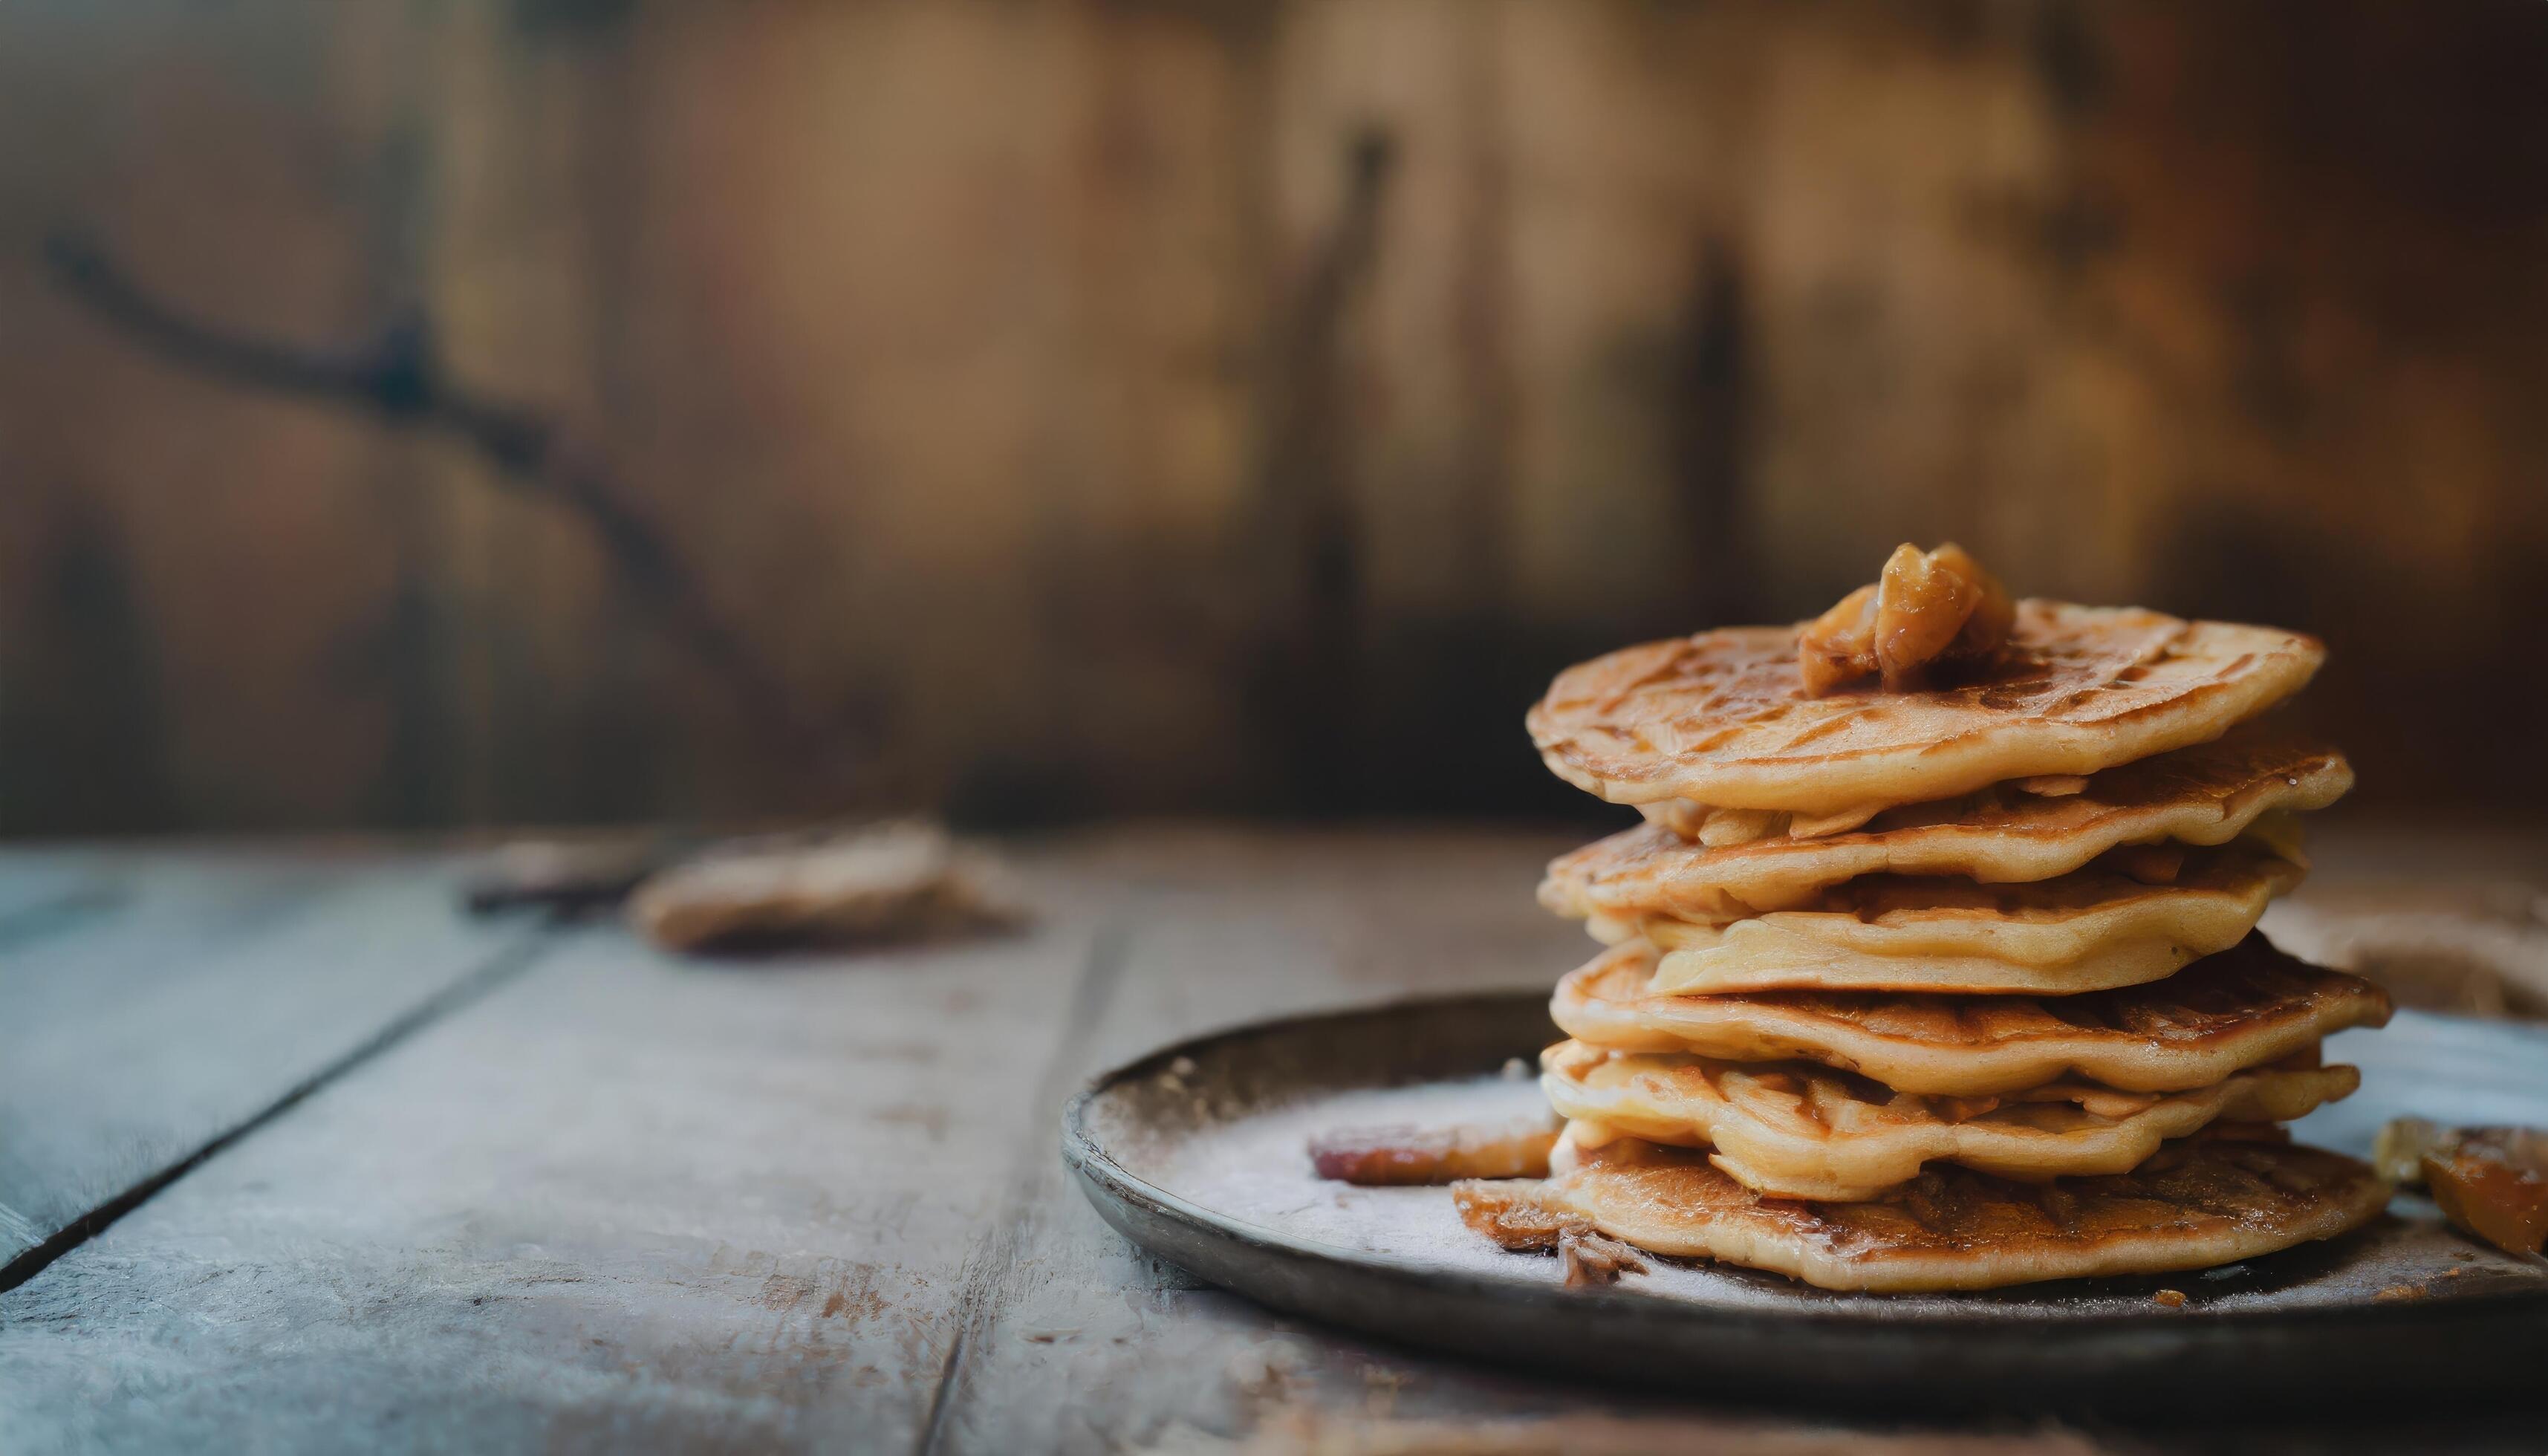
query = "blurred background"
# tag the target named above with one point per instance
(437, 413)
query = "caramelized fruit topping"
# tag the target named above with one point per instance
(1928, 607)
(1386, 1156)
(2493, 1183)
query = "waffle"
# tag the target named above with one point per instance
(1795, 1130)
(2245, 1007)
(1722, 717)
(2194, 1205)
(2207, 794)
(2091, 930)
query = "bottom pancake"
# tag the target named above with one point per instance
(2195, 1205)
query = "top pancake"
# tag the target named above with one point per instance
(1722, 717)
(2206, 795)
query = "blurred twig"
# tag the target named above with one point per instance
(1307, 541)
(400, 380)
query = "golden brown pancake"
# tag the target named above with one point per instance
(1795, 1130)
(880, 881)
(2247, 1006)
(2194, 1205)
(2090, 930)
(1722, 717)
(2207, 794)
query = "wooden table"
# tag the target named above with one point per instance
(295, 1157)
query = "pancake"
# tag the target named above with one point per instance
(1795, 1130)
(1723, 718)
(2090, 930)
(2194, 1205)
(2246, 1006)
(2207, 794)
(878, 882)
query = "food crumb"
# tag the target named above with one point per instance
(2398, 1292)
(1379, 1390)
(1183, 1067)
(1514, 1213)
(2173, 1298)
(1590, 1258)
(1263, 1371)
(1515, 1069)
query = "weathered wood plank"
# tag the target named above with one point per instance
(1662, 314)
(625, 1202)
(1077, 1341)
(622, 1202)
(172, 999)
(812, 1202)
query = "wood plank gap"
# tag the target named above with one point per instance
(507, 964)
(1107, 953)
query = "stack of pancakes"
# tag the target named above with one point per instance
(1955, 986)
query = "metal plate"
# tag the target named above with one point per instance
(1196, 1153)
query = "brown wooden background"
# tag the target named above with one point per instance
(1210, 407)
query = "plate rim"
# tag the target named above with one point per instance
(1084, 1155)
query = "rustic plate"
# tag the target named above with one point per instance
(1196, 1153)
